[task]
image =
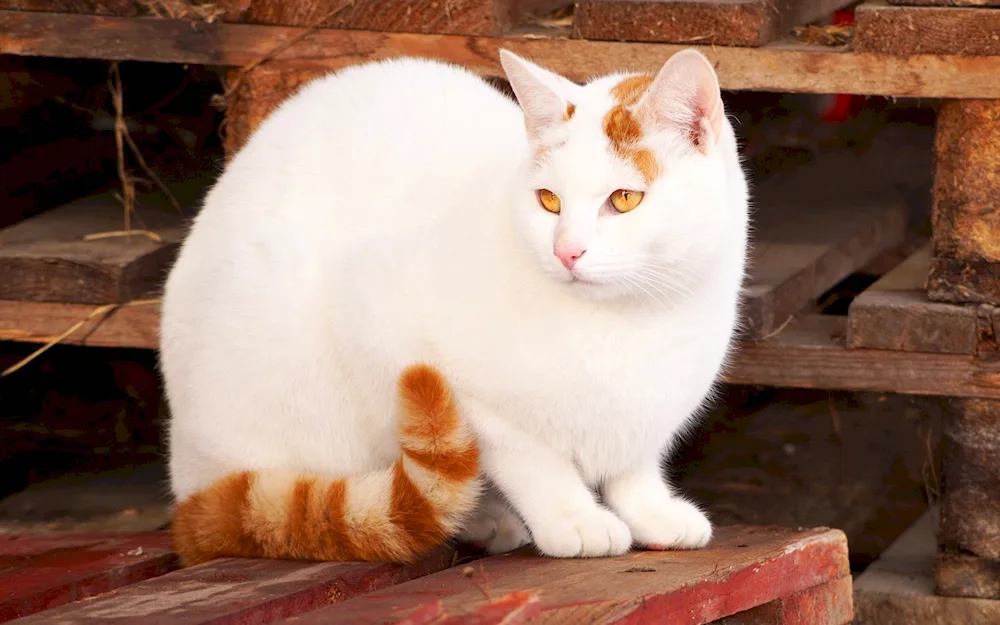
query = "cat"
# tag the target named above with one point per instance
(413, 309)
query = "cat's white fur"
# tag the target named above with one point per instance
(387, 215)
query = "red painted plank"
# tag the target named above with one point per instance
(45, 571)
(744, 567)
(233, 591)
(831, 603)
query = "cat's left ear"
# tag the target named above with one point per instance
(545, 97)
(686, 92)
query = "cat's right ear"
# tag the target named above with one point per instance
(544, 96)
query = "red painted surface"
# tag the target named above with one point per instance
(742, 569)
(233, 591)
(41, 572)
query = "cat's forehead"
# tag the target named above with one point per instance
(600, 123)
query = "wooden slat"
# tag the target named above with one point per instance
(44, 571)
(826, 604)
(702, 22)
(234, 591)
(810, 353)
(894, 313)
(460, 17)
(965, 213)
(46, 258)
(41, 322)
(902, 30)
(948, 3)
(963, 575)
(744, 567)
(781, 67)
(811, 231)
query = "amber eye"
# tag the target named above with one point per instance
(624, 200)
(549, 201)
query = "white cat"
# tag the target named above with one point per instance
(571, 272)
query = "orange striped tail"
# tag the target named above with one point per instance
(392, 515)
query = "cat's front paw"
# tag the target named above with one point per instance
(671, 524)
(590, 534)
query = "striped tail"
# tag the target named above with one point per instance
(391, 515)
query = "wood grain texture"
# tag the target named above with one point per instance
(894, 313)
(963, 575)
(233, 591)
(41, 322)
(781, 67)
(902, 30)
(826, 604)
(947, 3)
(810, 232)
(46, 258)
(702, 22)
(96, 7)
(965, 210)
(45, 571)
(747, 566)
(970, 508)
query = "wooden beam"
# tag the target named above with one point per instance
(700, 22)
(894, 313)
(42, 572)
(233, 591)
(969, 535)
(965, 210)
(779, 67)
(46, 258)
(947, 3)
(749, 566)
(902, 30)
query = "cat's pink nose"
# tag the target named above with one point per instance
(568, 254)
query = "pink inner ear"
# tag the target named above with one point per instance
(686, 91)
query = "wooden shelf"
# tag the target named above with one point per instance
(780, 66)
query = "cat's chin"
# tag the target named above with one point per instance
(592, 289)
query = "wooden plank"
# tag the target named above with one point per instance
(232, 591)
(742, 568)
(41, 322)
(703, 22)
(810, 353)
(894, 313)
(811, 231)
(965, 211)
(826, 604)
(46, 258)
(44, 571)
(899, 587)
(459, 17)
(948, 3)
(963, 575)
(779, 67)
(902, 30)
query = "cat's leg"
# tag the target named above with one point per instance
(495, 526)
(657, 517)
(562, 514)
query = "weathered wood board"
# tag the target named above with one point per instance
(899, 587)
(894, 313)
(963, 575)
(811, 231)
(742, 568)
(462, 17)
(232, 591)
(948, 3)
(965, 211)
(779, 67)
(46, 258)
(702, 22)
(902, 30)
(45, 571)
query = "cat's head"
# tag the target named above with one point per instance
(627, 183)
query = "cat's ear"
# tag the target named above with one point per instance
(545, 97)
(686, 92)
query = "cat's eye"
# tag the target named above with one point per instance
(624, 200)
(549, 201)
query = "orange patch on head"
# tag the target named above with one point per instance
(629, 90)
(624, 133)
(570, 109)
